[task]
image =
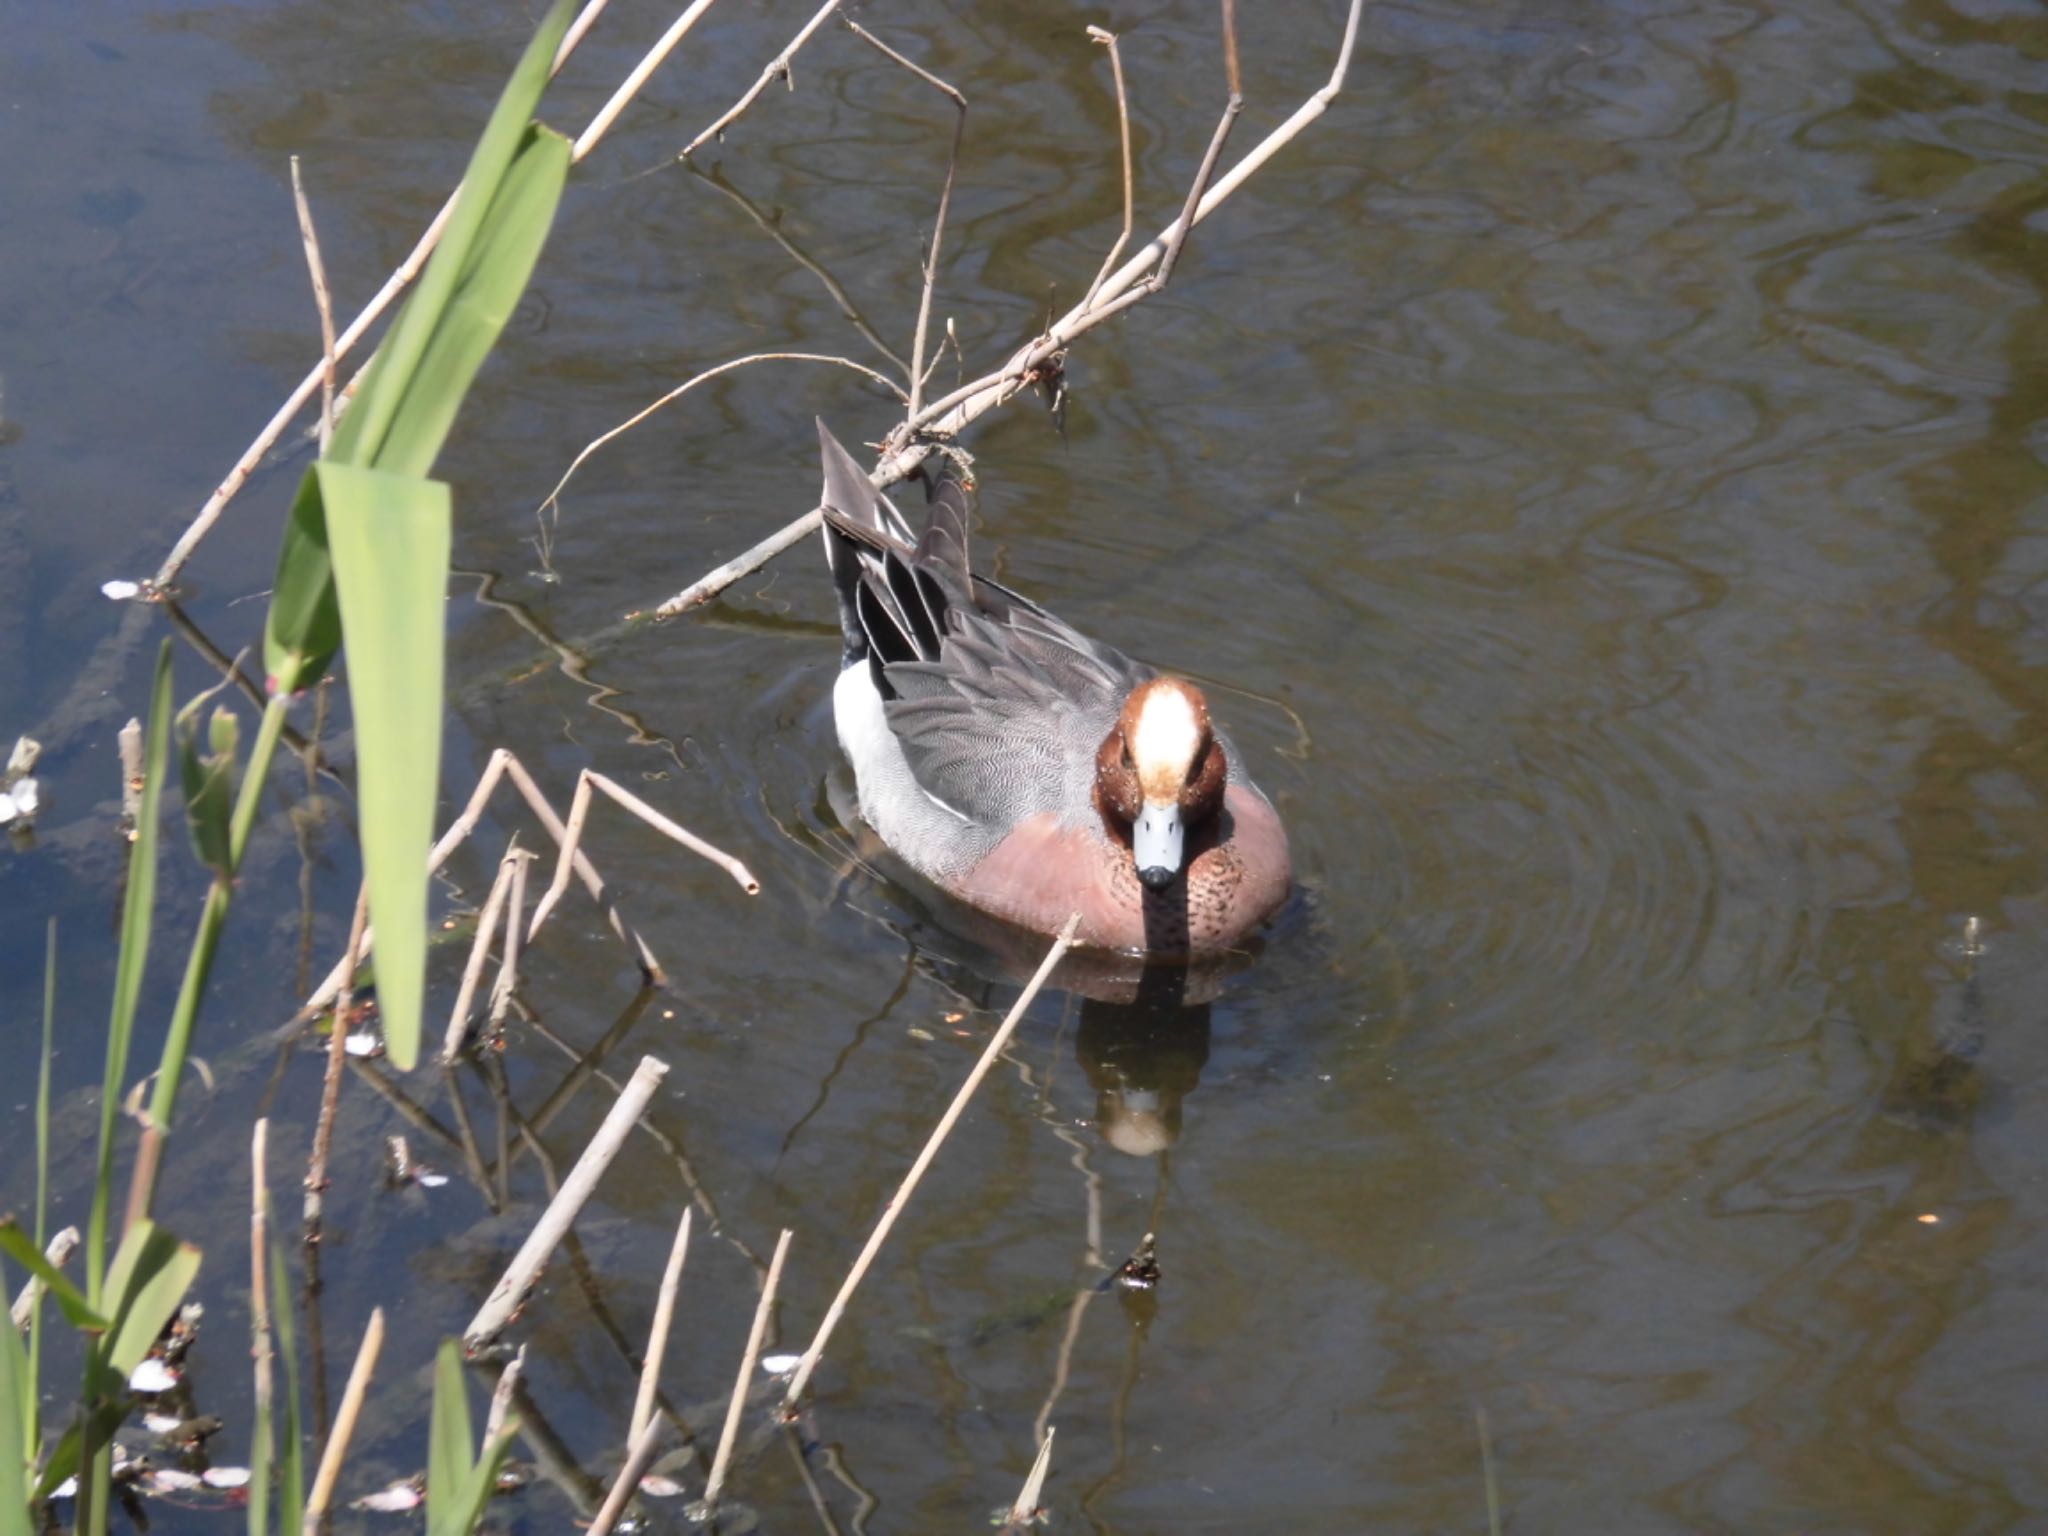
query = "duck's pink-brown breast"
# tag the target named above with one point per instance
(1042, 872)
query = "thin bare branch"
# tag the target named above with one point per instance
(552, 501)
(344, 1424)
(479, 951)
(715, 1485)
(317, 270)
(1224, 124)
(931, 263)
(59, 1252)
(638, 1459)
(515, 928)
(901, 1198)
(1108, 39)
(944, 419)
(502, 1394)
(524, 1271)
(778, 68)
(657, 1332)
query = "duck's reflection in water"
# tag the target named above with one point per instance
(1142, 1060)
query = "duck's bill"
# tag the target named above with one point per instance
(1156, 844)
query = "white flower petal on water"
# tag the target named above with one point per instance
(396, 1497)
(172, 1480)
(780, 1365)
(426, 1178)
(8, 809)
(120, 591)
(226, 1477)
(161, 1423)
(68, 1489)
(363, 1044)
(655, 1486)
(153, 1376)
(27, 798)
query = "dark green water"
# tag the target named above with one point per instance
(1602, 467)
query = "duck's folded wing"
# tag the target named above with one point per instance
(1005, 724)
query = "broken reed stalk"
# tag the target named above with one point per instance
(901, 1198)
(130, 741)
(657, 1332)
(336, 1449)
(479, 952)
(572, 839)
(630, 86)
(553, 500)
(715, 1484)
(1025, 1511)
(931, 262)
(337, 1056)
(501, 1395)
(778, 67)
(316, 269)
(58, 1253)
(523, 1273)
(394, 285)
(912, 440)
(638, 1459)
(508, 960)
(501, 765)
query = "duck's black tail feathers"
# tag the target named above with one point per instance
(894, 594)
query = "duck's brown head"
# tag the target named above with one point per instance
(1160, 774)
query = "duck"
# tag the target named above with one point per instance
(1024, 769)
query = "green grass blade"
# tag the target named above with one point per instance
(303, 630)
(137, 909)
(17, 1410)
(359, 439)
(32, 1426)
(486, 291)
(21, 1248)
(291, 1514)
(448, 1463)
(390, 537)
(149, 1277)
(482, 1483)
(209, 780)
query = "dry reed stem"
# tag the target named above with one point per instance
(501, 1395)
(778, 67)
(715, 1484)
(1025, 1510)
(657, 1332)
(316, 269)
(344, 1424)
(1108, 39)
(579, 815)
(1231, 107)
(901, 1198)
(946, 418)
(337, 1054)
(400, 278)
(552, 501)
(523, 1273)
(58, 1253)
(638, 1459)
(130, 742)
(630, 86)
(931, 262)
(479, 952)
(508, 961)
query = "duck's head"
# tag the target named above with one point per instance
(1159, 775)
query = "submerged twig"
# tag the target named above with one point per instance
(657, 1332)
(524, 1271)
(337, 1054)
(932, 1144)
(715, 1485)
(778, 69)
